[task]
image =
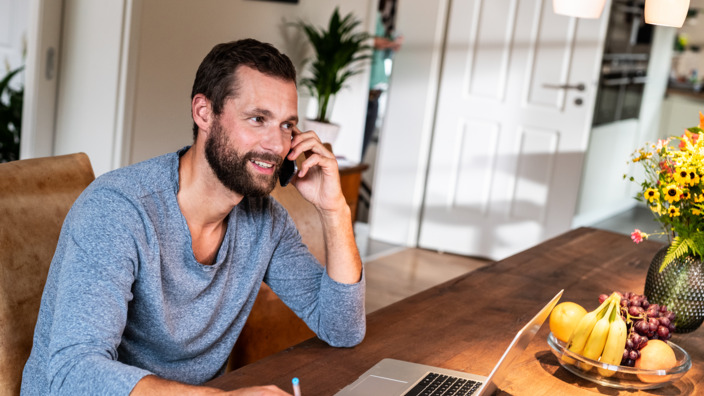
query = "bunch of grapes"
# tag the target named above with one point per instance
(645, 322)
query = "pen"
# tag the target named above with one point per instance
(296, 387)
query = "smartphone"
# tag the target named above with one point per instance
(288, 169)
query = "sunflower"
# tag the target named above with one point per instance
(699, 198)
(681, 175)
(673, 211)
(696, 212)
(672, 193)
(657, 208)
(692, 177)
(685, 195)
(651, 195)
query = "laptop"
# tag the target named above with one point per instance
(392, 377)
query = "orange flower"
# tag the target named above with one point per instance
(692, 137)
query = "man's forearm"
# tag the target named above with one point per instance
(343, 262)
(153, 385)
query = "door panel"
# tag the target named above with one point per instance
(536, 157)
(490, 48)
(507, 150)
(550, 56)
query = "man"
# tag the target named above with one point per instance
(158, 264)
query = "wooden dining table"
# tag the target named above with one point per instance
(466, 323)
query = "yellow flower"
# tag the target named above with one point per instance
(656, 209)
(692, 177)
(651, 195)
(672, 193)
(673, 211)
(685, 195)
(699, 198)
(681, 175)
(642, 155)
(696, 212)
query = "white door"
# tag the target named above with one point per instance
(508, 145)
(41, 77)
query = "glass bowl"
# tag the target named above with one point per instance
(622, 377)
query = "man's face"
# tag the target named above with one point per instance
(247, 143)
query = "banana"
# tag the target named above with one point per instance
(581, 332)
(615, 345)
(597, 338)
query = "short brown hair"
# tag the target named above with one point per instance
(215, 77)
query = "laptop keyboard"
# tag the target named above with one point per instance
(440, 384)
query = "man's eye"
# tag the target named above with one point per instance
(287, 126)
(257, 119)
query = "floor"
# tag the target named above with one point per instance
(394, 273)
(638, 217)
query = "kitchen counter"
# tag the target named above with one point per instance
(689, 93)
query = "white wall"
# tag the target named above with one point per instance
(175, 35)
(14, 18)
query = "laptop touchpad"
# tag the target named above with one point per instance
(374, 385)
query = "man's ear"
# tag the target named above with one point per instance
(202, 112)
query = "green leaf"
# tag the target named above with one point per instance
(338, 51)
(679, 248)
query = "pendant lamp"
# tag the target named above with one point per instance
(579, 8)
(666, 12)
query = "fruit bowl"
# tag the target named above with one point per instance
(623, 377)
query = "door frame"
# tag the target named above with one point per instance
(39, 115)
(41, 78)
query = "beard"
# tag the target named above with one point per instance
(231, 168)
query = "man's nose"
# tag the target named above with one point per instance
(275, 141)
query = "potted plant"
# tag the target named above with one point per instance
(10, 118)
(338, 51)
(673, 189)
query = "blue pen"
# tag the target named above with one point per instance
(296, 387)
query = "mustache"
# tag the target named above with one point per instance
(268, 157)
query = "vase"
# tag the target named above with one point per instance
(680, 287)
(327, 132)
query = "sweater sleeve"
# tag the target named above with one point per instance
(93, 282)
(333, 310)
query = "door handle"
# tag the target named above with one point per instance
(578, 87)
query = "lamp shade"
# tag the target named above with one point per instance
(666, 12)
(579, 8)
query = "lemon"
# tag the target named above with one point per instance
(564, 318)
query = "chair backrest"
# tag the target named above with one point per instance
(272, 326)
(35, 196)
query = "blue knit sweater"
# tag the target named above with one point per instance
(125, 296)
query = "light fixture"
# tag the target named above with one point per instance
(666, 12)
(579, 8)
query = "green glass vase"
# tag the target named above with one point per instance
(680, 286)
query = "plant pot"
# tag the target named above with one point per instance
(680, 286)
(327, 132)
(579, 8)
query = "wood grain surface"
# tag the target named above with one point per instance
(466, 323)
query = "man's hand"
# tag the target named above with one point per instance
(269, 390)
(318, 179)
(152, 385)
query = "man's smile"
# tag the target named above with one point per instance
(263, 164)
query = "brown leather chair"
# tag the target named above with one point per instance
(272, 326)
(35, 196)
